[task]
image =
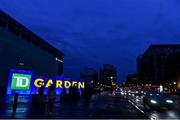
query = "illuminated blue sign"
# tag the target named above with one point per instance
(25, 82)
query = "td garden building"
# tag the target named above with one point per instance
(21, 49)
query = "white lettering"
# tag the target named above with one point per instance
(20, 80)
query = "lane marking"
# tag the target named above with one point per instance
(136, 106)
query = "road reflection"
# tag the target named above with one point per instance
(162, 113)
(103, 105)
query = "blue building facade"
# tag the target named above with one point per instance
(22, 49)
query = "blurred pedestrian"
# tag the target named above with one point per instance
(41, 90)
(15, 102)
(87, 93)
(63, 96)
(51, 98)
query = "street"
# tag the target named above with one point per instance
(104, 105)
(162, 113)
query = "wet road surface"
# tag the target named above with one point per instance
(104, 105)
(162, 113)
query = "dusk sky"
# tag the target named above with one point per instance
(93, 32)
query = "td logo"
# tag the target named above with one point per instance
(20, 81)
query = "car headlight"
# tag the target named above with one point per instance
(153, 101)
(169, 101)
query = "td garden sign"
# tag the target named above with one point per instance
(25, 82)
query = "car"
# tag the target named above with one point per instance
(139, 92)
(117, 92)
(155, 100)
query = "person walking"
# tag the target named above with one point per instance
(41, 90)
(15, 102)
(64, 96)
(51, 98)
